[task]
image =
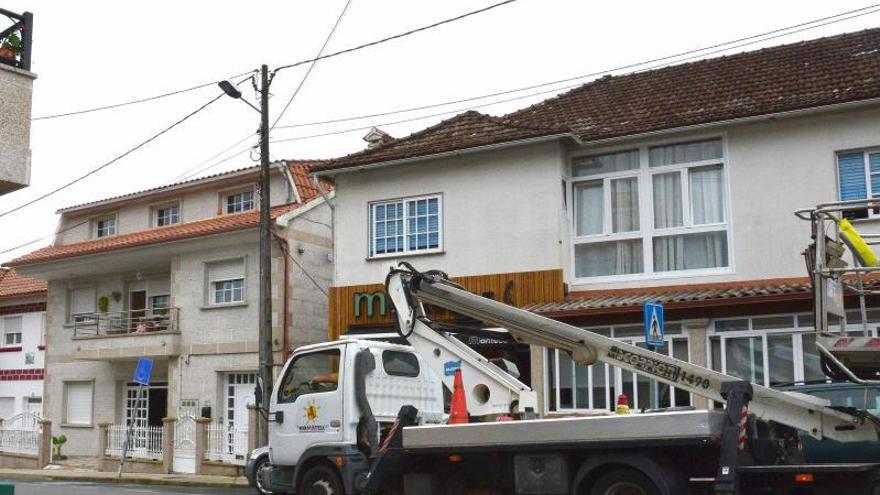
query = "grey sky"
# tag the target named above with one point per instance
(90, 53)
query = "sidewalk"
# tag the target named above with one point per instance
(66, 474)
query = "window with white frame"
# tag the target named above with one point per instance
(12, 330)
(105, 226)
(406, 226)
(81, 304)
(238, 202)
(572, 386)
(650, 210)
(777, 350)
(78, 396)
(226, 282)
(166, 215)
(858, 177)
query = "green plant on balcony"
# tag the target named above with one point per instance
(103, 304)
(11, 46)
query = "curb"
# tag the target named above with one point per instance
(237, 482)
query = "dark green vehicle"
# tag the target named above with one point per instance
(843, 394)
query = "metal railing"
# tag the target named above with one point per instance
(20, 31)
(20, 434)
(227, 444)
(146, 441)
(126, 322)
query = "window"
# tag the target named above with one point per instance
(226, 282)
(656, 210)
(858, 177)
(81, 304)
(167, 215)
(238, 202)
(397, 363)
(12, 330)
(405, 226)
(311, 373)
(105, 227)
(78, 406)
(573, 386)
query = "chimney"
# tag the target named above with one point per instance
(377, 137)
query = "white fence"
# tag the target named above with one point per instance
(146, 441)
(227, 444)
(20, 434)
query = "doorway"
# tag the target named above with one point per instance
(137, 305)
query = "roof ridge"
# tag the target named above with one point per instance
(608, 77)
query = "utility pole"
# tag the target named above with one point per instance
(265, 307)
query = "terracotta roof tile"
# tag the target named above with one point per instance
(596, 300)
(809, 74)
(211, 226)
(14, 285)
(467, 130)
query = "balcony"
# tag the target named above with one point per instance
(127, 335)
(16, 88)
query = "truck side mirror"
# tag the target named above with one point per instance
(258, 393)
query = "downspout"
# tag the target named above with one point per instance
(285, 250)
(323, 194)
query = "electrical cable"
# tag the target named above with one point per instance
(133, 102)
(701, 53)
(313, 64)
(394, 37)
(114, 160)
(599, 73)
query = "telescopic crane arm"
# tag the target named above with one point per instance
(410, 289)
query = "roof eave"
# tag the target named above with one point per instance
(446, 154)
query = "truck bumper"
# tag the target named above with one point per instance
(862, 478)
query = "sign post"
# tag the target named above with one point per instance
(654, 339)
(142, 377)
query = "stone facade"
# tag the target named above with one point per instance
(16, 90)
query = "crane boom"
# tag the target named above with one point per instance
(410, 289)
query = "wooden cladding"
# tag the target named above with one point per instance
(368, 305)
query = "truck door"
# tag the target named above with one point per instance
(309, 396)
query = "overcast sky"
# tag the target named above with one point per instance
(89, 53)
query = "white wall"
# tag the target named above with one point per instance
(500, 213)
(15, 391)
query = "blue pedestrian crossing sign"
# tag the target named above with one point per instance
(654, 324)
(143, 371)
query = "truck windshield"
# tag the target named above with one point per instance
(863, 398)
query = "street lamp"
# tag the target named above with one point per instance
(265, 310)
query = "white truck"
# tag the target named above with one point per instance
(362, 416)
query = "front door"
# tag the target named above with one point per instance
(137, 304)
(309, 396)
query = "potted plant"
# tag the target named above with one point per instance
(103, 304)
(11, 46)
(57, 442)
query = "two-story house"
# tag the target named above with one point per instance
(22, 324)
(675, 185)
(16, 91)
(172, 274)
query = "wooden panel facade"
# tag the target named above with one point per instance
(368, 305)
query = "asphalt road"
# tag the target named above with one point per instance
(88, 488)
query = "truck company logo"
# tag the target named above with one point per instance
(657, 368)
(310, 414)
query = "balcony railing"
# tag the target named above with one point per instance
(21, 31)
(142, 321)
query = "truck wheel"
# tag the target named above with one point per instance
(624, 481)
(320, 480)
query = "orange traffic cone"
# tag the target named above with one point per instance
(458, 408)
(622, 404)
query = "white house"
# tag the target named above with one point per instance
(22, 326)
(675, 185)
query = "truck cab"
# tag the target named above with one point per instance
(331, 403)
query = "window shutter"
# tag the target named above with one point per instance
(226, 270)
(851, 176)
(160, 286)
(12, 324)
(82, 300)
(79, 403)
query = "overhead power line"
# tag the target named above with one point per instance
(133, 102)
(312, 65)
(114, 160)
(764, 37)
(396, 36)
